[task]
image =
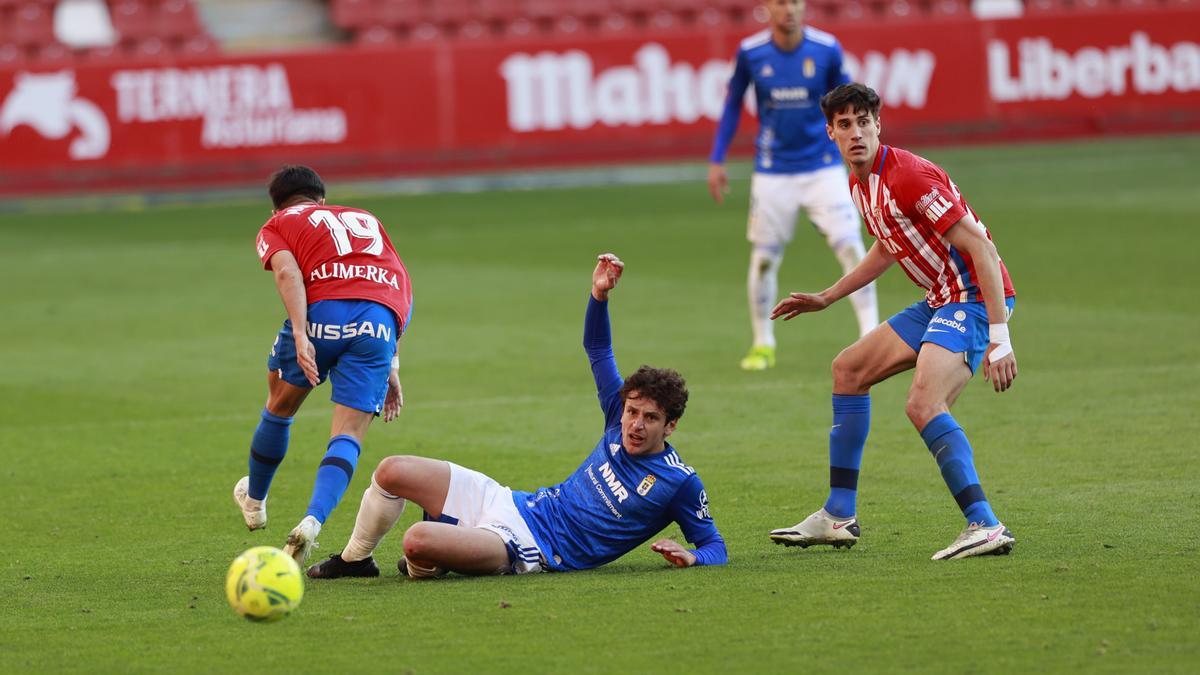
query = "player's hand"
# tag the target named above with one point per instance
(607, 273)
(395, 397)
(306, 356)
(1002, 372)
(718, 182)
(799, 303)
(674, 552)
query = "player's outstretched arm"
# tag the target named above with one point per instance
(290, 283)
(606, 275)
(999, 362)
(870, 268)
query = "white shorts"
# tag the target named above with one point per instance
(475, 500)
(776, 199)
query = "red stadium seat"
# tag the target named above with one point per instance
(519, 27)
(100, 54)
(132, 19)
(31, 24)
(948, 8)
(376, 35)
(400, 15)
(452, 12)
(355, 14)
(177, 18)
(498, 11)
(150, 47)
(426, 32)
(52, 53)
(196, 46)
(12, 55)
(899, 10)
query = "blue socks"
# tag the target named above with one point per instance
(267, 448)
(333, 476)
(851, 422)
(952, 451)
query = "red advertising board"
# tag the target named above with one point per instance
(449, 106)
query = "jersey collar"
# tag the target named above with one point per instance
(880, 158)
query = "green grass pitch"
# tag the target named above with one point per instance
(134, 344)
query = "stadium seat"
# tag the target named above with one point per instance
(12, 55)
(177, 19)
(31, 24)
(52, 53)
(899, 10)
(426, 32)
(1035, 7)
(406, 15)
(376, 35)
(197, 45)
(354, 14)
(132, 19)
(150, 47)
(450, 12)
(948, 8)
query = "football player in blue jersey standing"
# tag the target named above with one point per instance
(796, 166)
(628, 488)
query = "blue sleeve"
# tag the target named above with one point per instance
(689, 509)
(837, 69)
(597, 342)
(732, 113)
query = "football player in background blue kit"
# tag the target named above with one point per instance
(631, 486)
(796, 165)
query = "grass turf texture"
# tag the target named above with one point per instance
(133, 372)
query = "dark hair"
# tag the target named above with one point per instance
(661, 385)
(853, 97)
(293, 180)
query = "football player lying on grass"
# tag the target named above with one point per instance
(628, 488)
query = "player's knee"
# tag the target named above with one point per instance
(848, 372)
(418, 541)
(920, 409)
(392, 473)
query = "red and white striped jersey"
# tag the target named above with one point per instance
(908, 204)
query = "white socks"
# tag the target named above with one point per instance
(762, 285)
(377, 515)
(849, 253)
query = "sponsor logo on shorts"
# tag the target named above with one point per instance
(960, 315)
(329, 331)
(943, 321)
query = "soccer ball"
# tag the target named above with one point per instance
(264, 584)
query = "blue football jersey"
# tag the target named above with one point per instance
(788, 87)
(615, 501)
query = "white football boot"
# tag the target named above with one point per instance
(302, 540)
(979, 540)
(253, 511)
(819, 528)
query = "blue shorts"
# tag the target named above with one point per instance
(961, 327)
(355, 342)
